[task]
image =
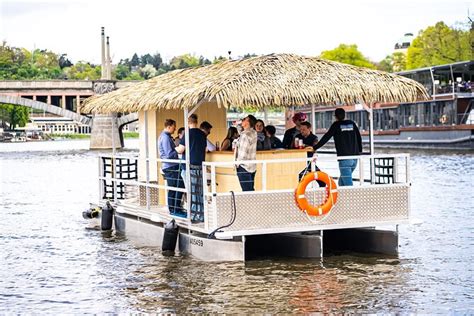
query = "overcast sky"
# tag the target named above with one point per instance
(211, 27)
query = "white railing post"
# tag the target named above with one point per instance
(101, 189)
(408, 172)
(361, 171)
(372, 169)
(395, 169)
(114, 174)
(214, 192)
(204, 196)
(188, 166)
(264, 176)
(147, 164)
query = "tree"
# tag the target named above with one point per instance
(157, 61)
(399, 61)
(347, 54)
(64, 61)
(121, 71)
(148, 71)
(204, 61)
(385, 64)
(184, 61)
(219, 59)
(439, 44)
(83, 71)
(146, 60)
(135, 60)
(246, 56)
(14, 115)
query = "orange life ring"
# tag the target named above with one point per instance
(331, 194)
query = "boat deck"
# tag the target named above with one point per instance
(260, 213)
(380, 196)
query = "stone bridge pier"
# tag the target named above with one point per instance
(105, 131)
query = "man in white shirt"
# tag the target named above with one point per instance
(246, 149)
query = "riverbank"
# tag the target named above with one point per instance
(88, 136)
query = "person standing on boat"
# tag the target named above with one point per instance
(246, 149)
(309, 140)
(166, 148)
(263, 142)
(348, 143)
(290, 134)
(197, 153)
(275, 142)
(232, 134)
(180, 135)
(206, 128)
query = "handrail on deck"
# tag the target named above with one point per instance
(366, 170)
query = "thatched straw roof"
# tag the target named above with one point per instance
(277, 80)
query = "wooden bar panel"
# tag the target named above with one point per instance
(279, 175)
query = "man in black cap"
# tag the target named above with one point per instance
(348, 143)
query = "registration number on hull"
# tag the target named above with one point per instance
(196, 242)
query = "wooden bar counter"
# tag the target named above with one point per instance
(279, 175)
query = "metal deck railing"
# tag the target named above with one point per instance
(380, 194)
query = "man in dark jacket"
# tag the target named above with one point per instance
(348, 143)
(289, 137)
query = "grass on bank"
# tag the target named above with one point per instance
(87, 136)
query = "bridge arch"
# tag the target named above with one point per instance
(9, 99)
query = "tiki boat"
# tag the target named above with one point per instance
(239, 225)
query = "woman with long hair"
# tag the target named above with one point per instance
(263, 142)
(232, 134)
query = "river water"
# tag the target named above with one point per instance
(51, 264)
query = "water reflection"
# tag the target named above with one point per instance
(50, 263)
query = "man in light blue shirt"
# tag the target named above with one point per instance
(171, 170)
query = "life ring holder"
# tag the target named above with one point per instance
(331, 194)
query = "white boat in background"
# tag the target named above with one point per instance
(445, 120)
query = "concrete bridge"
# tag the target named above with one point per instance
(10, 99)
(63, 98)
(66, 94)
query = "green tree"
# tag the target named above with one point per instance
(347, 54)
(249, 55)
(135, 60)
(385, 64)
(135, 75)
(219, 59)
(184, 61)
(157, 61)
(83, 71)
(439, 44)
(204, 61)
(148, 71)
(14, 115)
(121, 71)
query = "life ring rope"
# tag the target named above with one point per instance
(331, 194)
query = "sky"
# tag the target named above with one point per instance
(212, 28)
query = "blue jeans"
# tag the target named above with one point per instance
(346, 167)
(173, 179)
(246, 179)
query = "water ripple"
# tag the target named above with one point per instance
(50, 263)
